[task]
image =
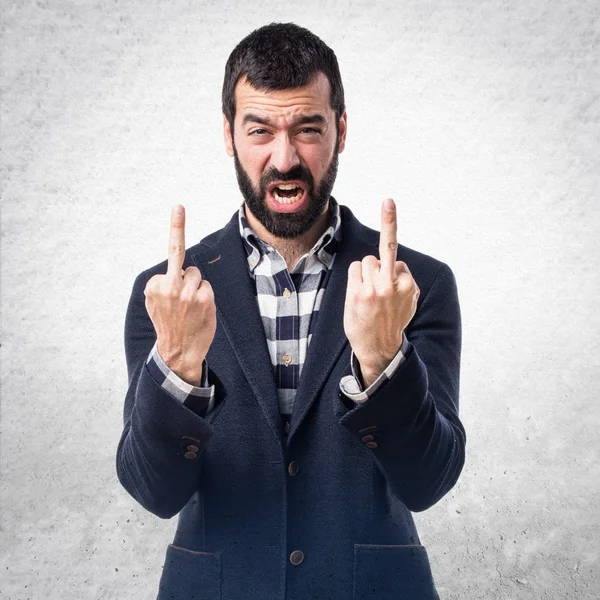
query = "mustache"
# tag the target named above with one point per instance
(298, 173)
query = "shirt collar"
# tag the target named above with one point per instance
(325, 247)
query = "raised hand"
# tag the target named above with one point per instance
(182, 308)
(381, 300)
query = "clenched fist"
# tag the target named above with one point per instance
(381, 300)
(182, 308)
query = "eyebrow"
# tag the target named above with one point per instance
(302, 120)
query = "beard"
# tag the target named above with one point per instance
(287, 225)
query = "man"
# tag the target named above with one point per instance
(293, 384)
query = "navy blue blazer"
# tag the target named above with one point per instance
(323, 512)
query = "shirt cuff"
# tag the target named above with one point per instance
(352, 386)
(199, 398)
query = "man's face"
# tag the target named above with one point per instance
(285, 145)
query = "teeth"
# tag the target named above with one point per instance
(289, 200)
(287, 186)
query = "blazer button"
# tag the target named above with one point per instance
(372, 445)
(190, 455)
(296, 557)
(192, 448)
(367, 438)
(293, 468)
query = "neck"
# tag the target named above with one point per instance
(291, 249)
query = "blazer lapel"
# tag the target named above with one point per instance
(225, 266)
(329, 339)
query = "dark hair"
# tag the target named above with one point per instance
(281, 56)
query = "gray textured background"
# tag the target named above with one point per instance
(480, 118)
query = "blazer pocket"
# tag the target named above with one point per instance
(189, 575)
(392, 573)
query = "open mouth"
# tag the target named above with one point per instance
(287, 193)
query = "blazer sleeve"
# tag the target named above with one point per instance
(411, 424)
(158, 456)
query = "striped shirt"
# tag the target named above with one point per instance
(289, 304)
(289, 301)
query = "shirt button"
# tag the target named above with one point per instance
(286, 293)
(192, 448)
(190, 455)
(293, 468)
(287, 359)
(296, 557)
(286, 427)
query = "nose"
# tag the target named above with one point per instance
(284, 155)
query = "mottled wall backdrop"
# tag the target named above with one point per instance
(480, 117)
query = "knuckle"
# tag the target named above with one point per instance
(194, 271)
(172, 293)
(186, 297)
(367, 293)
(206, 294)
(176, 249)
(404, 284)
(387, 291)
(152, 285)
(408, 288)
(354, 270)
(370, 261)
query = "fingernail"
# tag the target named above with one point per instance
(388, 204)
(178, 210)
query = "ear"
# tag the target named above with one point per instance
(343, 125)
(228, 135)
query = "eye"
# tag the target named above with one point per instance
(310, 130)
(258, 132)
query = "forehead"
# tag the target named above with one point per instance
(312, 98)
